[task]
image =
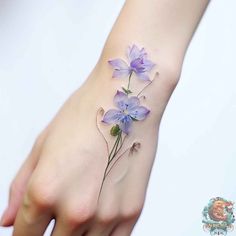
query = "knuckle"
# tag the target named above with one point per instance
(132, 211)
(107, 217)
(41, 195)
(28, 216)
(76, 216)
(29, 213)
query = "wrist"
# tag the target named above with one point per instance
(168, 65)
(154, 93)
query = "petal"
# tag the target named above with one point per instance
(138, 66)
(139, 113)
(118, 64)
(112, 116)
(120, 73)
(121, 68)
(132, 102)
(148, 65)
(143, 76)
(121, 100)
(133, 53)
(143, 53)
(125, 124)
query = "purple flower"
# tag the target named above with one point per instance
(138, 63)
(129, 110)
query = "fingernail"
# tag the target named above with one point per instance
(2, 221)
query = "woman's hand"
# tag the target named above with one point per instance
(62, 177)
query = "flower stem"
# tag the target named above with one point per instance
(121, 144)
(118, 138)
(111, 156)
(103, 180)
(118, 158)
(156, 75)
(114, 146)
(129, 80)
(100, 110)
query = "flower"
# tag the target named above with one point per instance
(138, 63)
(129, 110)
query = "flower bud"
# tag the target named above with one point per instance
(115, 130)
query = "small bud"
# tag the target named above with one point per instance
(135, 147)
(115, 130)
(101, 111)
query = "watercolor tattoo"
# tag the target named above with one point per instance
(128, 106)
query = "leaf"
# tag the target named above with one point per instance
(127, 91)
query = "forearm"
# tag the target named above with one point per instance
(163, 27)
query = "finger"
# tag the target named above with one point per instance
(62, 228)
(72, 220)
(35, 212)
(19, 184)
(30, 223)
(107, 212)
(103, 229)
(124, 229)
(75, 212)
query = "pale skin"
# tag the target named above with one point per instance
(62, 175)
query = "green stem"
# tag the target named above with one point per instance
(103, 180)
(119, 137)
(115, 149)
(118, 158)
(117, 140)
(121, 144)
(129, 80)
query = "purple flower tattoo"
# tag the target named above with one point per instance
(138, 64)
(129, 110)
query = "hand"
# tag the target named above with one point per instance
(62, 177)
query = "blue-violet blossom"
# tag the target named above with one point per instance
(129, 110)
(138, 63)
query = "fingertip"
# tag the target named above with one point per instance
(7, 218)
(2, 221)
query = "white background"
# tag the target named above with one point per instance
(47, 48)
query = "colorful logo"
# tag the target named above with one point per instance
(218, 216)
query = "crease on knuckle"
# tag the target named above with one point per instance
(76, 216)
(40, 195)
(133, 211)
(107, 217)
(29, 216)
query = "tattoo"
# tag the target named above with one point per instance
(128, 108)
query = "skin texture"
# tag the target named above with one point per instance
(62, 175)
